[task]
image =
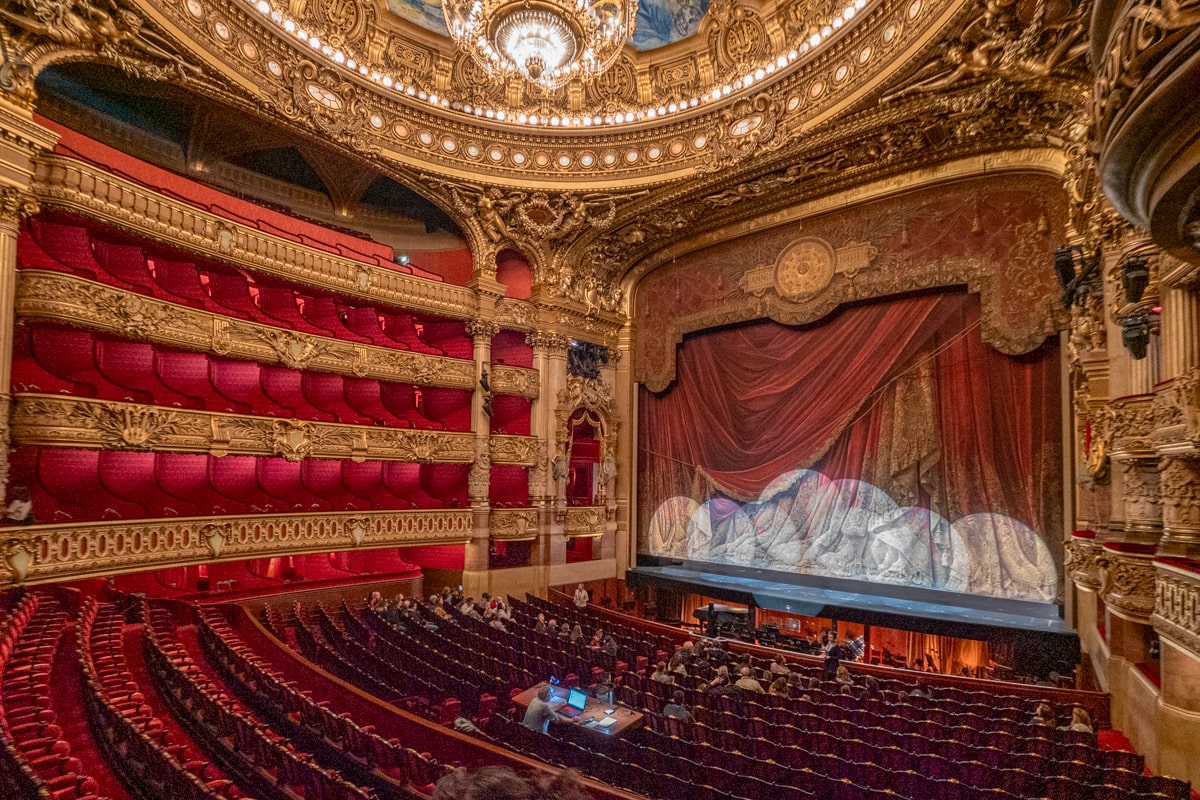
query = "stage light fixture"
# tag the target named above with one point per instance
(1078, 273)
(1135, 277)
(1135, 332)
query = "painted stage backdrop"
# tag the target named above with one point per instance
(659, 22)
(887, 443)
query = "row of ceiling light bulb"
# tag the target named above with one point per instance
(555, 121)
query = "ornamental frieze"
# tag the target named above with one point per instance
(1179, 487)
(1177, 414)
(1083, 562)
(69, 183)
(516, 381)
(1140, 493)
(512, 524)
(57, 421)
(69, 299)
(1133, 422)
(584, 521)
(45, 553)
(521, 450)
(515, 314)
(1128, 583)
(1177, 606)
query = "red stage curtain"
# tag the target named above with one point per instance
(902, 393)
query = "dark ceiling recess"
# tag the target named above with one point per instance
(169, 113)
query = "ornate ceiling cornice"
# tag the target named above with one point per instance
(287, 78)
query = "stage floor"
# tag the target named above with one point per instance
(904, 607)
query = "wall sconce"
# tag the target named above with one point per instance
(402, 259)
(1135, 332)
(1075, 284)
(1135, 277)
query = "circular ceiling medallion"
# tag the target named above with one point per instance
(401, 130)
(376, 121)
(654, 152)
(221, 29)
(804, 268)
(816, 88)
(518, 158)
(793, 102)
(249, 50)
(587, 159)
(195, 8)
(840, 73)
(425, 138)
(324, 96)
(746, 125)
(274, 68)
(864, 55)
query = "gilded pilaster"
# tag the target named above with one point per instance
(1180, 492)
(625, 485)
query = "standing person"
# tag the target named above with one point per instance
(581, 597)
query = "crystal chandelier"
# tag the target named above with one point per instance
(548, 42)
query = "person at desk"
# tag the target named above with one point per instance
(541, 713)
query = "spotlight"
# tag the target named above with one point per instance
(1135, 276)
(1135, 332)
(402, 259)
(1076, 286)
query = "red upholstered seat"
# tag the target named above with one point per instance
(400, 401)
(449, 408)
(363, 395)
(365, 481)
(130, 365)
(126, 264)
(449, 336)
(241, 384)
(130, 476)
(282, 480)
(285, 387)
(234, 479)
(28, 374)
(186, 374)
(67, 244)
(73, 477)
(327, 392)
(364, 321)
(232, 292)
(323, 478)
(400, 328)
(184, 478)
(181, 280)
(70, 355)
(403, 480)
(279, 303)
(446, 483)
(323, 312)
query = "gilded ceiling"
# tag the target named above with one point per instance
(659, 22)
(766, 105)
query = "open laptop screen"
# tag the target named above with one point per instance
(577, 699)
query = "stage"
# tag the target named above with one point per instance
(1035, 629)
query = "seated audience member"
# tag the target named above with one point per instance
(843, 676)
(603, 690)
(552, 627)
(676, 709)
(576, 633)
(540, 625)
(502, 612)
(921, 690)
(597, 639)
(1043, 717)
(678, 665)
(439, 607)
(846, 691)
(746, 682)
(1080, 721)
(540, 713)
(375, 601)
(609, 645)
(564, 631)
(779, 687)
(871, 690)
(501, 783)
(660, 673)
(795, 681)
(779, 667)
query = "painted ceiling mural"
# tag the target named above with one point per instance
(659, 22)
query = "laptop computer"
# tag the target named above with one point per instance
(576, 701)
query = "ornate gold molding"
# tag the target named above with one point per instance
(1129, 426)
(1177, 605)
(547, 340)
(594, 395)
(516, 381)
(77, 301)
(16, 204)
(57, 421)
(78, 186)
(521, 450)
(515, 314)
(1177, 415)
(513, 524)
(1128, 583)
(584, 521)
(48, 553)
(1082, 562)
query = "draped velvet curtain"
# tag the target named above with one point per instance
(902, 393)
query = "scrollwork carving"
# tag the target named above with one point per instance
(1082, 562)
(1177, 607)
(49, 553)
(1128, 584)
(512, 523)
(584, 521)
(516, 381)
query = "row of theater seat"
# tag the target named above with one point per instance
(129, 729)
(388, 764)
(55, 360)
(68, 485)
(35, 759)
(64, 244)
(260, 756)
(1020, 764)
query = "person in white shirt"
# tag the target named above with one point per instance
(20, 510)
(581, 597)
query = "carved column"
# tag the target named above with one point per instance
(20, 144)
(550, 360)
(625, 396)
(1180, 331)
(479, 479)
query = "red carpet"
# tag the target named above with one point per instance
(1109, 739)
(68, 706)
